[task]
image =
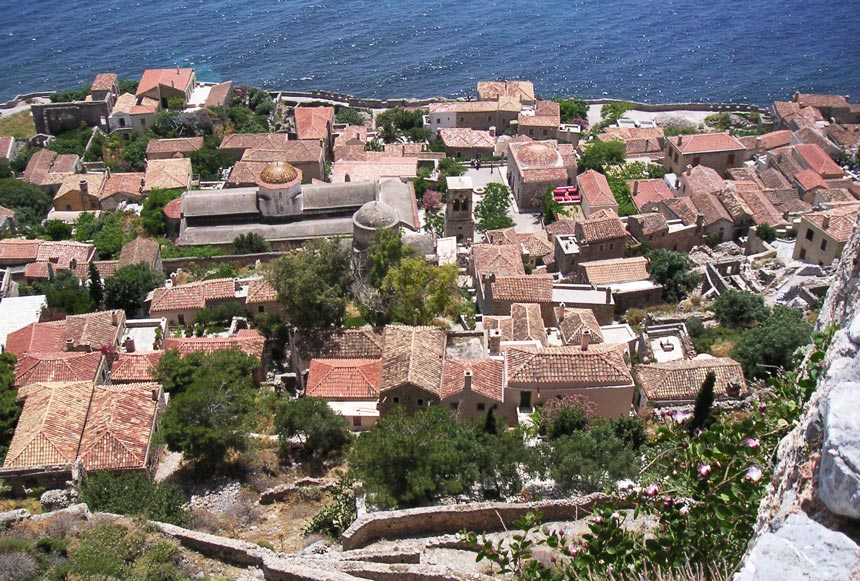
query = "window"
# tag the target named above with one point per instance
(356, 421)
(810, 234)
(696, 161)
(824, 244)
(481, 406)
(395, 399)
(261, 309)
(438, 121)
(490, 118)
(181, 319)
(68, 206)
(143, 122)
(611, 245)
(454, 406)
(122, 121)
(420, 403)
(731, 159)
(545, 132)
(803, 253)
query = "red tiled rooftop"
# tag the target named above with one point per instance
(595, 189)
(175, 78)
(252, 344)
(134, 367)
(344, 379)
(37, 337)
(486, 377)
(57, 366)
(567, 366)
(173, 209)
(615, 270)
(104, 82)
(500, 260)
(648, 191)
(818, 161)
(313, 122)
(706, 142)
(809, 180)
(191, 296)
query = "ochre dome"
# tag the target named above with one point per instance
(537, 154)
(279, 172)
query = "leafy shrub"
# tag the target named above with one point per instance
(250, 243)
(336, 516)
(561, 416)
(134, 494)
(322, 431)
(106, 549)
(736, 309)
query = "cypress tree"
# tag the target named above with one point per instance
(704, 401)
(96, 288)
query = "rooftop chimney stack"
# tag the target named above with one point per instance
(494, 341)
(689, 169)
(586, 340)
(635, 187)
(700, 222)
(825, 222)
(492, 131)
(467, 380)
(608, 295)
(85, 187)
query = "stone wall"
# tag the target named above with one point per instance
(809, 522)
(170, 265)
(443, 520)
(55, 118)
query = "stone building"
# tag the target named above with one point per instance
(822, 236)
(536, 166)
(55, 118)
(718, 151)
(458, 209)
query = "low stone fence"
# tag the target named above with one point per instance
(479, 517)
(12, 103)
(173, 264)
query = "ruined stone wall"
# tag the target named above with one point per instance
(55, 118)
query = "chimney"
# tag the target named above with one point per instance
(142, 184)
(680, 140)
(85, 187)
(467, 380)
(128, 344)
(608, 295)
(825, 222)
(494, 341)
(689, 169)
(635, 187)
(155, 395)
(70, 345)
(586, 340)
(492, 131)
(700, 222)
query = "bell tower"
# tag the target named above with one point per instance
(458, 209)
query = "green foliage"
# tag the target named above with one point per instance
(72, 141)
(5, 170)
(562, 416)
(322, 431)
(675, 272)
(736, 309)
(219, 315)
(29, 202)
(129, 285)
(134, 152)
(108, 233)
(551, 209)
(127, 86)
(704, 403)
(56, 230)
(176, 373)
(66, 294)
(450, 167)
(766, 232)
(71, 95)
(134, 494)
(612, 112)
(600, 154)
(764, 350)
(260, 102)
(572, 110)
(336, 516)
(401, 119)
(672, 130)
(152, 214)
(418, 134)
(434, 222)
(170, 250)
(212, 414)
(348, 115)
(386, 251)
(388, 132)
(250, 243)
(417, 293)
(21, 160)
(621, 193)
(9, 408)
(107, 550)
(275, 330)
(312, 283)
(492, 210)
(209, 160)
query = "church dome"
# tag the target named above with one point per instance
(537, 154)
(374, 215)
(279, 172)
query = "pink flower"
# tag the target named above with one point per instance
(762, 407)
(615, 516)
(684, 510)
(599, 520)
(680, 417)
(753, 474)
(752, 443)
(704, 470)
(652, 490)
(669, 501)
(573, 549)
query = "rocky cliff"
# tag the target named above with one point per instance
(809, 523)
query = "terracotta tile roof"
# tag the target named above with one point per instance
(536, 243)
(763, 210)
(773, 179)
(173, 78)
(372, 170)
(600, 228)
(537, 120)
(487, 377)
(648, 191)
(649, 223)
(842, 219)
(168, 174)
(413, 355)
(548, 175)
(65, 163)
(124, 183)
(637, 140)
(249, 344)
(615, 270)
(57, 366)
(793, 206)
(527, 322)
(735, 205)
(834, 195)
(361, 343)
(770, 140)
(567, 366)
(683, 208)
(574, 322)
(260, 291)
(313, 122)
(706, 142)
(499, 260)
(809, 180)
(146, 106)
(173, 209)
(139, 251)
(95, 184)
(18, 250)
(191, 296)
(594, 188)
(105, 268)
(352, 135)
(97, 330)
(124, 104)
(818, 161)
(702, 180)
(254, 141)
(711, 208)
(298, 151)
(178, 145)
(504, 104)
(119, 427)
(37, 337)
(38, 270)
(344, 379)
(523, 289)
(46, 167)
(51, 423)
(134, 367)
(6, 212)
(104, 82)
(547, 108)
(518, 90)
(561, 227)
(821, 100)
(682, 379)
(6, 143)
(845, 135)
(62, 253)
(219, 94)
(467, 138)
(784, 160)
(246, 173)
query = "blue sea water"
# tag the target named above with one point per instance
(647, 50)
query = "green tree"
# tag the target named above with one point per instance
(29, 202)
(71, 95)
(134, 494)
(562, 416)
(250, 243)
(401, 119)
(674, 271)
(736, 309)
(450, 167)
(612, 112)
(348, 115)
(551, 209)
(765, 349)
(572, 110)
(210, 417)
(417, 293)
(704, 403)
(176, 373)
(274, 329)
(5, 170)
(313, 283)
(209, 160)
(96, 287)
(152, 214)
(766, 232)
(386, 251)
(10, 409)
(434, 222)
(492, 210)
(388, 132)
(56, 230)
(134, 152)
(322, 431)
(601, 154)
(66, 294)
(621, 193)
(128, 287)
(220, 315)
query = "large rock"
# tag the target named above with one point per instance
(802, 549)
(11, 517)
(55, 500)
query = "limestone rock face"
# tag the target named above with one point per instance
(802, 549)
